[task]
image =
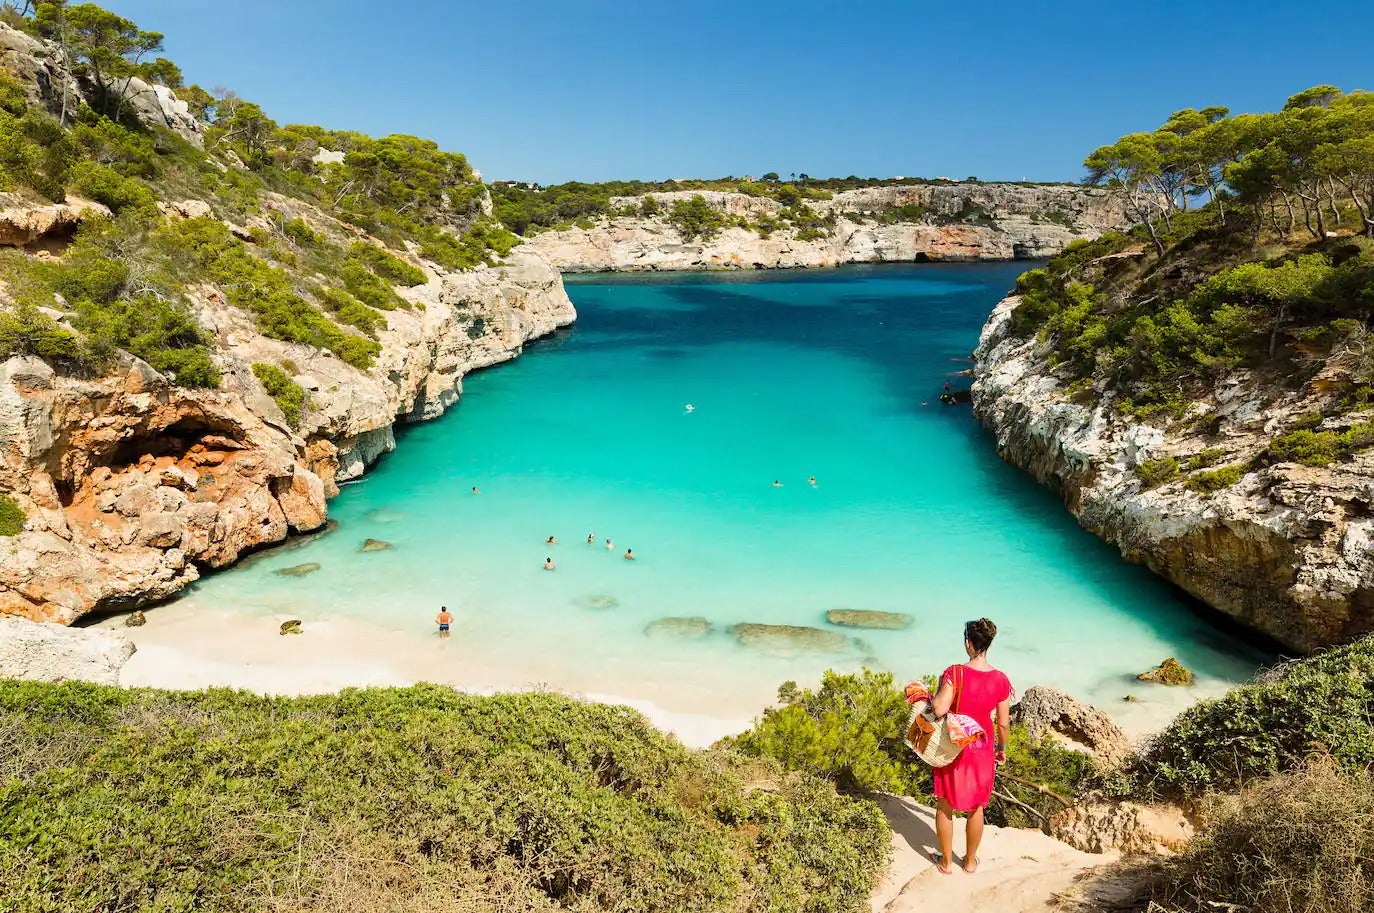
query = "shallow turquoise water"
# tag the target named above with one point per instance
(791, 374)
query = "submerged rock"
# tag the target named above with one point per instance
(1169, 672)
(376, 545)
(290, 627)
(298, 570)
(688, 628)
(136, 620)
(599, 601)
(41, 652)
(788, 637)
(868, 618)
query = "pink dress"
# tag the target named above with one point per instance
(967, 783)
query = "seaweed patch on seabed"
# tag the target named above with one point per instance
(598, 601)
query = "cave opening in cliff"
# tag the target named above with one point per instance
(174, 440)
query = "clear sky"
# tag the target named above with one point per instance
(556, 90)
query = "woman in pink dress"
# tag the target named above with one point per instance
(966, 785)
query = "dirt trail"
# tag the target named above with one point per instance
(1020, 870)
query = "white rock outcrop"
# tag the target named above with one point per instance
(53, 653)
(963, 222)
(1285, 551)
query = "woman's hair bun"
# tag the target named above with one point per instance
(980, 634)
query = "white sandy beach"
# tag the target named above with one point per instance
(188, 646)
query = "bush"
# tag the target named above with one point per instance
(288, 395)
(1310, 448)
(1215, 480)
(105, 185)
(370, 289)
(12, 518)
(695, 218)
(300, 232)
(350, 310)
(385, 264)
(1269, 727)
(849, 731)
(1301, 841)
(1204, 458)
(403, 799)
(1154, 473)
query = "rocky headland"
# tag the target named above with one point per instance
(902, 223)
(131, 484)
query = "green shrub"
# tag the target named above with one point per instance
(1154, 473)
(1358, 437)
(299, 231)
(385, 264)
(695, 218)
(1269, 727)
(1310, 448)
(484, 242)
(1204, 458)
(350, 310)
(289, 396)
(403, 799)
(158, 330)
(370, 289)
(105, 185)
(25, 330)
(12, 516)
(849, 731)
(1299, 841)
(1214, 480)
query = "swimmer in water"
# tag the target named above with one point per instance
(591, 538)
(475, 491)
(812, 480)
(551, 541)
(629, 554)
(610, 546)
(690, 408)
(548, 564)
(777, 483)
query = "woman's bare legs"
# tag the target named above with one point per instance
(973, 835)
(944, 834)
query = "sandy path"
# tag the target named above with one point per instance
(1020, 870)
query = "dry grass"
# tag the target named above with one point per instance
(1301, 842)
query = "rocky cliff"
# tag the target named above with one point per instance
(1287, 550)
(133, 486)
(944, 221)
(129, 484)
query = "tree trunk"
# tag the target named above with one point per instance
(1274, 333)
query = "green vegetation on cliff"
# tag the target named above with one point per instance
(128, 282)
(1274, 275)
(403, 799)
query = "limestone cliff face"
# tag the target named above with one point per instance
(962, 222)
(1287, 551)
(133, 486)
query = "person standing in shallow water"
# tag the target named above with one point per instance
(966, 785)
(444, 619)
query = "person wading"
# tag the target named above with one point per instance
(966, 785)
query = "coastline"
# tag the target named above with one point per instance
(187, 647)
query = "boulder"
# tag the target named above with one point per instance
(1169, 672)
(136, 619)
(376, 545)
(290, 627)
(686, 628)
(788, 638)
(1043, 710)
(298, 570)
(1101, 826)
(867, 618)
(41, 652)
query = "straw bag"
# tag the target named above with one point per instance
(929, 737)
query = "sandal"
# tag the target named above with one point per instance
(970, 871)
(940, 866)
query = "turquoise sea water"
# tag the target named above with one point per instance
(792, 374)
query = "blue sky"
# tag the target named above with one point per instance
(592, 90)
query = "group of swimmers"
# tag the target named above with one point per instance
(591, 540)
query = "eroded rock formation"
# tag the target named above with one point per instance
(1288, 550)
(133, 486)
